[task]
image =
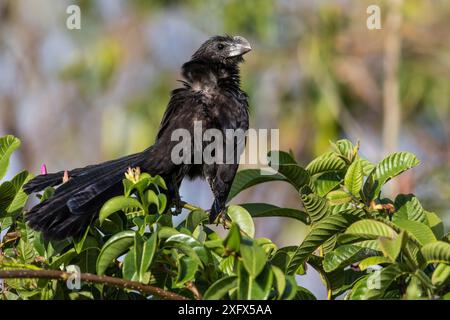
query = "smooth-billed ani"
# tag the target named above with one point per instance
(211, 95)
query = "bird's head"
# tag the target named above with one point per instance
(223, 49)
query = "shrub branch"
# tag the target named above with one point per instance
(91, 278)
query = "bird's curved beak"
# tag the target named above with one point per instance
(240, 47)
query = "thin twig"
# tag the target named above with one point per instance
(91, 278)
(190, 206)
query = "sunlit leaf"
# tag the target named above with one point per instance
(113, 248)
(421, 232)
(436, 252)
(8, 144)
(257, 210)
(386, 169)
(344, 256)
(120, 203)
(220, 288)
(353, 180)
(253, 257)
(247, 178)
(243, 219)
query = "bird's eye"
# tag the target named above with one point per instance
(220, 46)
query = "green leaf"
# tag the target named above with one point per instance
(353, 180)
(25, 251)
(304, 294)
(162, 203)
(290, 292)
(88, 260)
(372, 261)
(327, 182)
(254, 289)
(436, 252)
(233, 240)
(113, 248)
(267, 244)
(20, 197)
(320, 232)
(138, 254)
(7, 194)
(329, 245)
(348, 238)
(338, 197)
(338, 281)
(8, 144)
(345, 148)
(46, 194)
(257, 210)
(185, 242)
(288, 167)
(435, 224)
(344, 256)
(226, 265)
(195, 218)
(386, 169)
(441, 275)
(150, 197)
(371, 227)
(315, 206)
(120, 203)
(280, 280)
(187, 268)
(419, 231)
(253, 257)
(391, 247)
(63, 259)
(343, 207)
(38, 244)
(85, 242)
(243, 219)
(247, 178)
(408, 207)
(329, 161)
(375, 285)
(367, 166)
(148, 253)
(167, 232)
(159, 181)
(282, 257)
(220, 288)
(129, 271)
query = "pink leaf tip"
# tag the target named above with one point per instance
(43, 169)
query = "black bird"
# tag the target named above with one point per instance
(211, 94)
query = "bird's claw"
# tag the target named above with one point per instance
(177, 204)
(221, 218)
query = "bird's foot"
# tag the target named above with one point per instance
(222, 219)
(177, 205)
(219, 218)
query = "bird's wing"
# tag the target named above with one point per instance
(181, 107)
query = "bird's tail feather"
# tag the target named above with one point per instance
(75, 203)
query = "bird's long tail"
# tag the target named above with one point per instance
(75, 202)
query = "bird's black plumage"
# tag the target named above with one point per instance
(211, 94)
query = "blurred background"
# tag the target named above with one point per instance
(316, 72)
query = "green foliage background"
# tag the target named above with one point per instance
(77, 97)
(351, 230)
